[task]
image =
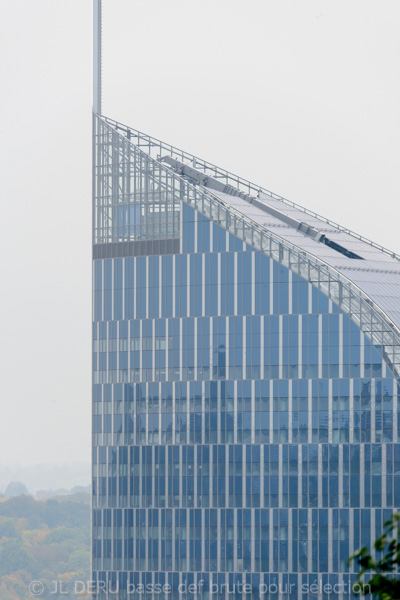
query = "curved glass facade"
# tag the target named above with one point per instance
(245, 428)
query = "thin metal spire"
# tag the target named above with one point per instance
(97, 40)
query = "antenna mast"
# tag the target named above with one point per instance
(97, 31)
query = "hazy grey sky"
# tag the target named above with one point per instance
(300, 97)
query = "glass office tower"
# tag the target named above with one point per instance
(246, 355)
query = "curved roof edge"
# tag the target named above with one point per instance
(355, 303)
(244, 185)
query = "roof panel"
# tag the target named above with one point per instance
(377, 275)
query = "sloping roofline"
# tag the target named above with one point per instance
(343, 292)
(152, 143)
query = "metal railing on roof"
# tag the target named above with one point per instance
(361, 309)
(153, 143)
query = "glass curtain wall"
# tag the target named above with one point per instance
(245, 430)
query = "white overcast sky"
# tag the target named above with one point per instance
(300, 97)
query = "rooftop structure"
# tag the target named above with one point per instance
(246, 355)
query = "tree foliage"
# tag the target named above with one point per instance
(384, 583)
(44, 540)
(16, 488)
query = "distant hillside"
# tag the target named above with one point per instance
(43, 541)
(45, 476)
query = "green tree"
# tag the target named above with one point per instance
(14, 556)
(43, 540)
(16, 488)
(384, 582)
(79, 561)
(7, 527)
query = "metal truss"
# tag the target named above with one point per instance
(155, 149)
(128, 172)
(135, 198)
